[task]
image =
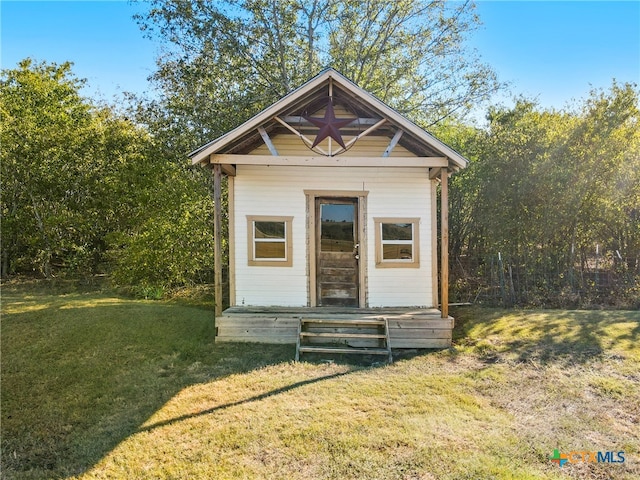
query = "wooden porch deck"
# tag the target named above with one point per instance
(408, 327)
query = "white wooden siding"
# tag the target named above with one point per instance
(264, 190)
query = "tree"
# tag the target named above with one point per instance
(411, 55)
(545, 187)
(86, 190)
(165, 240)
(227, 60)
(46, 164)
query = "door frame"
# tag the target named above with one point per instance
(311, 197)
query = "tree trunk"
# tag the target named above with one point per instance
(46, 267)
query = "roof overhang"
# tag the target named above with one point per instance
(310, 96)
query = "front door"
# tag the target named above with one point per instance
(337, 251)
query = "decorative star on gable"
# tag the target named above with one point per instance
(329, 125)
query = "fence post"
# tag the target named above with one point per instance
(501, 272)
(571, 265)
(597, 272)
(512, 290)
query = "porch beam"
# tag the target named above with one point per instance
(444, 243)
(392, 144)
(320, 161)
(434, 243)
(217, 238)
(231, 200)
(228, 170)
(434, 174)
(267, 141)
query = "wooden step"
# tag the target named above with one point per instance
(326, 349)
(363, 331)
(366, 322)
(343, 335)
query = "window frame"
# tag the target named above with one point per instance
(251, 241)
(381, 262)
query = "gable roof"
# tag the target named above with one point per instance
(312, 96)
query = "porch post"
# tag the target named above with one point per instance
(444, 243)
(217, 240)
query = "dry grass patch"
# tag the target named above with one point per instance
(323, 421)
(96, 386)
(571, 380)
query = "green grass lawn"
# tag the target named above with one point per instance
(99, 386)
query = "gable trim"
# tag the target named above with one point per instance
(202, 154)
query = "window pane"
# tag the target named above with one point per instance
(336, 233)
(397, 231)
(269, 230)
(396, 252)
(270, 250)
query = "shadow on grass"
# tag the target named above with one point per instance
(255, 398)
(83, 372)
(544, 336)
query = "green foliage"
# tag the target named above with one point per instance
(227, 60)
(411, 54)
(545, 187)
(58, 151)
(87, 191)
(166, 250)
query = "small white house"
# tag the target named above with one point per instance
(332, 210)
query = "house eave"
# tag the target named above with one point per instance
(436, 147)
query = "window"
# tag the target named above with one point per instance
(269, 241)
(397, 242)
(337, 232)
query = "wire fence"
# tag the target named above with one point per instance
(600, 280)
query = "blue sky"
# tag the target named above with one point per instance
(555, 51)
(550, 50)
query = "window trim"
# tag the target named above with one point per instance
(288, 246)
(414, 242)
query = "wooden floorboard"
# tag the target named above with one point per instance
(330, 310)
